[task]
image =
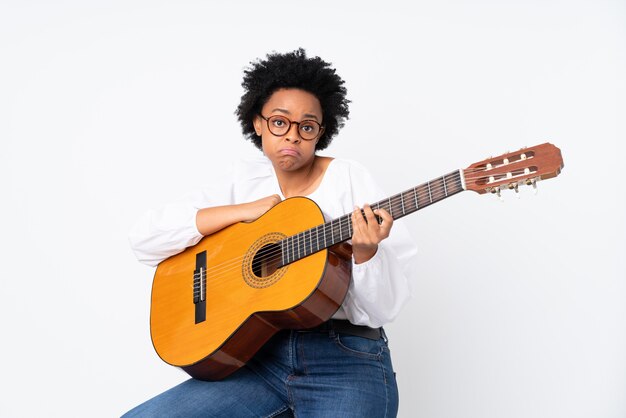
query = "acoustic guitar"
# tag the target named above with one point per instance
(216, 303)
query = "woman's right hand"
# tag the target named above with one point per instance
(255, 209)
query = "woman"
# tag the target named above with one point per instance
(292, 107)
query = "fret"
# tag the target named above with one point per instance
(456, 183)
(341, 228)
(304, 251)
(424, 195)
(340, 232)
(390, 207)
(324, 229)
(349, 225)
(282, 252)
(332, 232)
(417, 206)
(438, 189)
(402, 203)
(430, 195)
(445, 189)
(300, 246)
(310, 243)
(317, 237)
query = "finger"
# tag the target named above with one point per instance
(387, 222)
(358, 222)
(369, 215)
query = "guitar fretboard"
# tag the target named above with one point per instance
(312, 240)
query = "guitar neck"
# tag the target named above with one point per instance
(323, 236)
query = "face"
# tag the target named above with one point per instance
(289, 152)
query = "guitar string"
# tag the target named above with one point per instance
(396, 206)
(276, 255)
(344, 221)
(217, 271)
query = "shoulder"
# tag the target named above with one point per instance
(251, 168)
(351, 168)
(363, 185)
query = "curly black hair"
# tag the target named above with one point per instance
(293, 70)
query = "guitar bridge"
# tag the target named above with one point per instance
(199, 287)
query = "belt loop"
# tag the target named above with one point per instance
(331, 329)
(384, 335)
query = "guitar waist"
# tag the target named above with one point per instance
(342, 326)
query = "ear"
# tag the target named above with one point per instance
(257, 122)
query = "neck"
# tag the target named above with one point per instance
(297, 182)
(338, 230)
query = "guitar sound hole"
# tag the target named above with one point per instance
(266, 261)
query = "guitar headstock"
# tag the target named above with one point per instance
(510, 170)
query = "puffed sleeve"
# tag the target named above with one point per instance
(163, 232)
(381, 286)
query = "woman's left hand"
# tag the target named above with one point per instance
(368, 233)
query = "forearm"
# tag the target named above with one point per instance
(211, 220)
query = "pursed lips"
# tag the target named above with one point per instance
(289, 151)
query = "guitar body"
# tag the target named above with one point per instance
(245, 300)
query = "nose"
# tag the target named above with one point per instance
(292, 134)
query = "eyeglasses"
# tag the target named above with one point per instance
(307, 129)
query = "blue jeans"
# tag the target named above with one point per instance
(297, 373)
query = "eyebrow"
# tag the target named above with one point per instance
(285, 111)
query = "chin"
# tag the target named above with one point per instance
(287, 164)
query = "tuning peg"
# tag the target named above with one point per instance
(498, 189)
(534, 182)
(514, 186)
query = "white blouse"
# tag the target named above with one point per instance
(380, 287)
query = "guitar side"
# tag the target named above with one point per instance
(243, 307)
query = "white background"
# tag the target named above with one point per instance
(110, 108)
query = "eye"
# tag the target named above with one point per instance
(308, 127)
(279, 122)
